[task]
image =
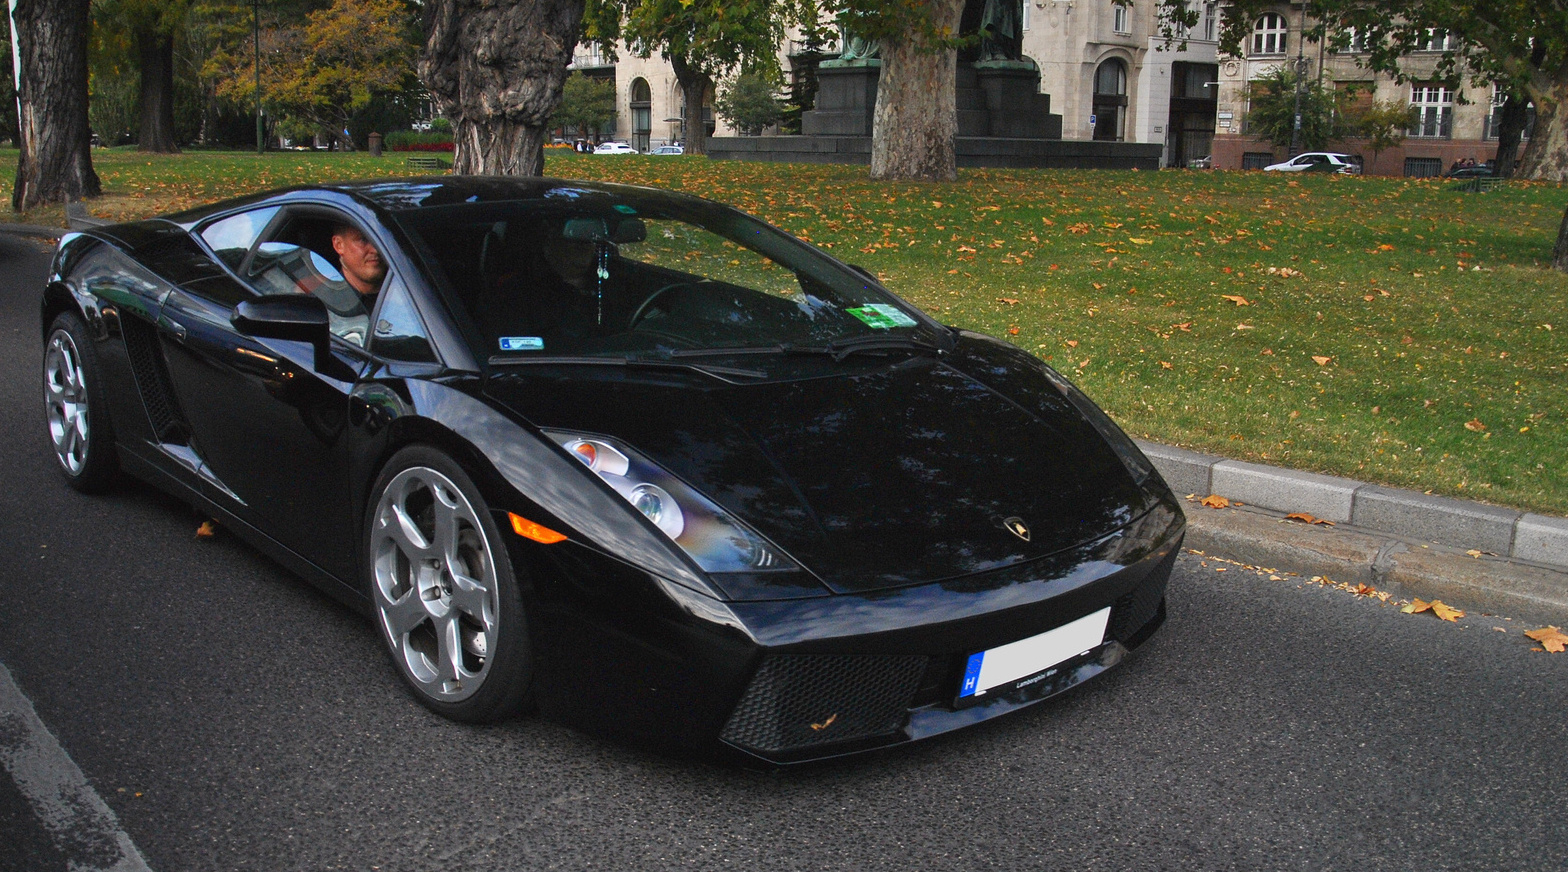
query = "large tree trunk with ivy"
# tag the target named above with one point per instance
(695, 86)
(1546, 157)
(55, 164)
(916, 117)
(155, 133)
(495, 69)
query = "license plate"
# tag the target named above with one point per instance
(1008, 663)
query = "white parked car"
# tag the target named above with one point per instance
(670, 149)
(1317, 162)
(614, 148)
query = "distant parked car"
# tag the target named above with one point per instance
(1201, 163)
(614, 148)
(670, 149)
(1477, 171)
(1317, 161)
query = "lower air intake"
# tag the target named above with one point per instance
(1139, 606)
(803, 700)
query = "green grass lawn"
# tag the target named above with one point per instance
(1391, 330)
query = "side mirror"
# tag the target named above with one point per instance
(300, 317)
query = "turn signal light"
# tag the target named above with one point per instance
(537, 532)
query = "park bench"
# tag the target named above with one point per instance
(426, 162)
(1480, 184)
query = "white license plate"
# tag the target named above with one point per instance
(1026, 657)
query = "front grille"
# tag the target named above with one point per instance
(1139, 606)
(804, 700)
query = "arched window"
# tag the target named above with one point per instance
(1110, 100)
(642, 114)
(1268, 34)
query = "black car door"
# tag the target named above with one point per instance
(267, 418)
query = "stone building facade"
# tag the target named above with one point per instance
(1449, 124)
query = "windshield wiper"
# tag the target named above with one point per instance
(717, 372)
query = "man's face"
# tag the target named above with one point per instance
(362, 264)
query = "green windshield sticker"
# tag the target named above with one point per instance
(882, 316)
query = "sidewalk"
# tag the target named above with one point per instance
(1408, 543)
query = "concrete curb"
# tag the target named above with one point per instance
(33, 230)
(1408, 543)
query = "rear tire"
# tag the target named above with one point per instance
(74, 408)
(442, 590)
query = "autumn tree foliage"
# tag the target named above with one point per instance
(1382, 125)
(496, 69)
(748, 103)
(51, 42)
(324, 67)
(702, 39)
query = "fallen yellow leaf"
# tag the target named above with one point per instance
(1306, 518)
(1474, 425)
(207, 530)
(1237, 299)
(1214, 501)
(1446, 612)
(1551, 638)
(1321, 360)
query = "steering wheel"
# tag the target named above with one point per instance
(647, 304)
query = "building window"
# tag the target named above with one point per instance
(1434, 40)
(1210, 20)
(1118, 18)
(1024, 21)
(1110, 101)
(642, 114)
(1423, 167)
(1268, 34)
(1350, 41)
(1431, 111)
(1256, 160)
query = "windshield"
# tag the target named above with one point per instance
(598, 274)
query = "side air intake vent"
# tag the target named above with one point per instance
(152, 380)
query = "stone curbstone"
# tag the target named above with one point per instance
(1541, 539)
(1435, 519)
(1187, 472)
(1286, 490)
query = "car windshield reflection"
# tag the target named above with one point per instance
(606, 276)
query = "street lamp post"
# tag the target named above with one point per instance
(1295, 133)
(255, 41)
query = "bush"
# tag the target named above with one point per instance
(416, 140)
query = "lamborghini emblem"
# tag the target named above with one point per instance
(1017, 527)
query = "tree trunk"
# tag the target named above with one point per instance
(495, 68)
(1510, 128)
(155, 134)
(695, 86)
(1546, 157)
(1560, 250)
(916, 117)
(55, 163)
(500, 148)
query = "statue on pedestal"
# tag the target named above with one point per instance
(1001, 31)
(855, 50)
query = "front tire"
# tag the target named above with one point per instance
(74, 407)
(443, 592)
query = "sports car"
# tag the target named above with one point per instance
(629, 458)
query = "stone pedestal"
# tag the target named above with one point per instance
(1013, 102)
(846, 100)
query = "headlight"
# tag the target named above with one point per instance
(1137, 464)
(714, 539)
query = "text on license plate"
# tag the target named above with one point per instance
(1016, 660)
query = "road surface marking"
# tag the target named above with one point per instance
(76, 817)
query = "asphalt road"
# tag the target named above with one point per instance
(233, 718)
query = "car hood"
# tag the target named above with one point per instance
(871, 476)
